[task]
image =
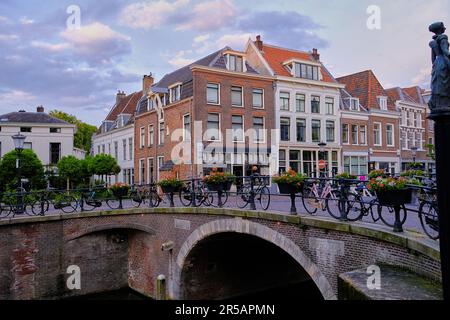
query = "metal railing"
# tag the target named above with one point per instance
(342, 199)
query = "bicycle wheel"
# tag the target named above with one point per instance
(185, 197)
(333, 205)
(154, 200)
(264, 198)
(88, 205)
(354, 207)
(429, 219)
(243, 197)
(5, 210)
(113, 203)
(40, 207)
(309, 201)
(208, 199)
(68, 204)
(387, 215)
(135, 199)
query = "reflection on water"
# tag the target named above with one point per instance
(122, 294)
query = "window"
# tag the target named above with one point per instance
(299, 102)
(282, 161)
(25, 129)
(382, 102)
(103, 148)
(377, 134)
(235, 63)
(151, 170)
(301, 130)
(354, 104)
(329, 105)
(419, 143)
(142, 171)
(258, 126)
(55, 130)
(109, 148)
(258, 98)
(0, 149)
(28, 145)
(315, 131)
(362, 135)
(116, 150)
(174, 93)
(160, 164)
(212, 93)
(98, 149)
(142, 140)
(356, 165)
(354, 134)
(315, 104)
(404, 122)
(161, 135)
(404, 140)
(237, 125)
(237, 97)
(285, 128)
(55, 152)
(330, 131)
(390, 135)
(284, 100)
(295, 160)
(187, 127)
(306, 71)
(124, 147)
(130, 145)
(344, 133)
(213, 127)
(151, 135)
(408, 118)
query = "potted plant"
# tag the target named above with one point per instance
(289, 182)
(345, 178)
(391, 191)
(377, 173)
(170, 186)
(120, 190)
(219, 181)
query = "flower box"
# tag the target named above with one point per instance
(170, 189)
(394, 198)
(287, 188)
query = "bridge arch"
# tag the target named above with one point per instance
(257, 230)
(112, 226)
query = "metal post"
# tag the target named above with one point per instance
(19, 196)
(193, 196)
(442, 136)
(161, 287)
(343, 200)
(293, 207)
(398, 226)
(252, 192)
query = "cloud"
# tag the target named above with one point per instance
(201, 38)
(150, 15)
(290, 29)
(8, 37)
(15, 96)
(180, 60)
(236, 41)
(26, 21)
(4, 20)
(208, 16)
(97, 42)
(58, 47)
(423, 77)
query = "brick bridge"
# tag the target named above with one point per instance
(217, 253)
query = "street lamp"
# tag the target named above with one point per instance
(19, 141)
(414, 153)
(322, 146)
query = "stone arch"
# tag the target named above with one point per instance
(112, 226)
(254, 229)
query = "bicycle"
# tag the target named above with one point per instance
(5, 208)
(64, 202)
(428, 212)
(260, 193)
(88, 202)
(316, 197)
(202, 195)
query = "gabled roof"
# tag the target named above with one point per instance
(415, 93)
(397, 94)
(276, 57)
(345, 102)
(365, 86)
(126, 105)
(30, 117)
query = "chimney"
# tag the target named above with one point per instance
(315, 54)
(40, 109)
(147, 82)
(120, 95)
(259, 43)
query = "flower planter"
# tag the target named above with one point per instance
(394, 198)
(120, 193)
(286, 188)
(228, 185)
(170, 189)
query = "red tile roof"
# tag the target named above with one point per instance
(415, 93)
(126, 106)
(276, 56)
(396, 94)
(365, 86)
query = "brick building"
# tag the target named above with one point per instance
(306, 107)
(201, 116)
(383, 123)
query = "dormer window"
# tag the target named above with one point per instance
(234, 62)
(304, 71)
(175, 93)
(354, 104)
(382, 102)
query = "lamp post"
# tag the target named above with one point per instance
(19, 141)
(414, 153)
(322, 146)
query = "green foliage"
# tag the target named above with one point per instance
(345, 175)
(415, 165)
(31, 169)
(103, 164)
(83, 136)
(431, 152)
(377, 173)
(290, 177)
(412, 173)
(70, 167)
(174, 183)
(387, 184)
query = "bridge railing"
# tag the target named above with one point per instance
(342, 199)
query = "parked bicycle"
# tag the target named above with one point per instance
(202, 195)
(260, 193)
(428, 211)
(320, 194)
(89, 201)
(60, 201)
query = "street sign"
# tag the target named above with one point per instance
(322, 164)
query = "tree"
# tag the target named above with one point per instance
(31, 169)
(103, 164)
(83, 136)
(70, 168)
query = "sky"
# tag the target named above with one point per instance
(74, 55)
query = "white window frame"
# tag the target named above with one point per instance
(264, 130)
(382, 102)
(353, 143)
(176, 86)
(142, 138)
(353, 101)
(158, 169)
(190, 126)
(289, 100)
(243, 128)
(263, 96)
(326, 105)
(304, 100)
(159, 133)
(148, 168)
(242, 96)
(380, 134)
(218, 94)
(365, 135)
(348, 134)
(151, 135)
(393, 135)
(219, 138)
(141, 178)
